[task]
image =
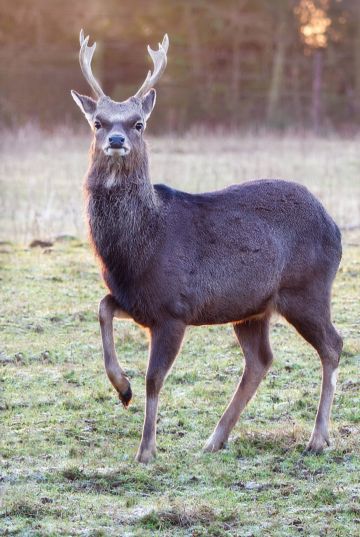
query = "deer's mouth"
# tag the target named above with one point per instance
(116, 152)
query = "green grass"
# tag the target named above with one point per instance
(67, 445)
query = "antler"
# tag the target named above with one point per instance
(159, 60)
(85, 57)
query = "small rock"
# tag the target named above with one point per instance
(65, 238)
(41, 244)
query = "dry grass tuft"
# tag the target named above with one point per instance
(182, 516)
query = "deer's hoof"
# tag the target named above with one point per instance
(145, 455)
(317, 442)
(214, 443)
(125, 397)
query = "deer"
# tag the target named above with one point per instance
(172, 259)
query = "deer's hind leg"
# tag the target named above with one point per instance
(108, 309)
(253, 336)
(308, 311)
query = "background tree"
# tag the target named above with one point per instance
(235, 63)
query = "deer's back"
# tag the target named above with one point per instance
(253, 216)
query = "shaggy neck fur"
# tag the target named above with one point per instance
(123, 210)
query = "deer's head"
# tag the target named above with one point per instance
(118, 126)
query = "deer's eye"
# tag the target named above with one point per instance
(97, 125)
(139, 126)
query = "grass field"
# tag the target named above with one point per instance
(67, 445)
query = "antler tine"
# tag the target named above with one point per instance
(159, 59)
(81, 37)
(85, 56)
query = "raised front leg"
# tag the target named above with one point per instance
(108, 309)
(165, 344)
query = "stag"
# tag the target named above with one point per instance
(172, 259)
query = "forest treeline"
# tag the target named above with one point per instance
(232, 63)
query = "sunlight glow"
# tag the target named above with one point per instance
(314, 22)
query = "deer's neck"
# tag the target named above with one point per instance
(123, 211)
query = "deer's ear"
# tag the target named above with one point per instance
(86, 104)
(148, 102)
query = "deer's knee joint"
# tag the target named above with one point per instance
(330, 353)
(331, 358)
(338, 345)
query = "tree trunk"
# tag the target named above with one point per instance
(235, 78)
(357, 61)
(194, 53)
(297, 113)
(318, 61)
(277, 75)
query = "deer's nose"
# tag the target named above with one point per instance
(116, 141)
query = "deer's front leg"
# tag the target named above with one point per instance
(165, 344)
(108, 309)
